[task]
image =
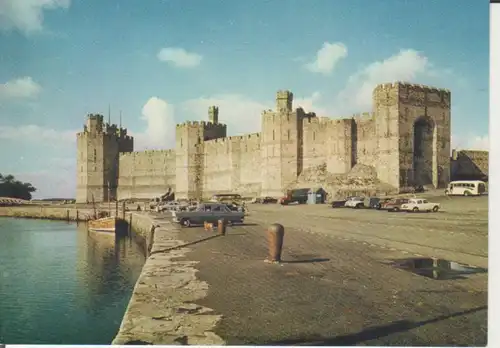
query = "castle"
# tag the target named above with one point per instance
(405, 139)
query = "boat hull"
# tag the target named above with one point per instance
(108, 225)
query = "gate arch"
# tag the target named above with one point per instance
(425, 170)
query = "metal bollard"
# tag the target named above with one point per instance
(221, 227)
(275, 235)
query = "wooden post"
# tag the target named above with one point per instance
(123, 210)
(116, 209)
(67, 215)
(77, 218)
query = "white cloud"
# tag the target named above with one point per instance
(26, 15)
(241, 114)
(34, 133)
(327, 58)
(407, 65)
(471, 142)
(23, 87)
(179, 57)
(312, 103)
(160, 130)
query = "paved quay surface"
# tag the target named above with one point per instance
(335, 286)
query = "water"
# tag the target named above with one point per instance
(437, 268)
(60, 284)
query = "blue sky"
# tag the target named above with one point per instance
(165, 61)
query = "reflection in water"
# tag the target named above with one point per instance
(438, 269)
(61, 284)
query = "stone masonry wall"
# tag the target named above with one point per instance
(291, 142)
(146, 174)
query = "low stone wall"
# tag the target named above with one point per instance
(67, 213)
(161, 309)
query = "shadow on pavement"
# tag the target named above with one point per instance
(371, 333)
(307, 261)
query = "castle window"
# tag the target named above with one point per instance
(288, 134)
(95, 155)
(273, 134)
(181, 142)
(314, 135)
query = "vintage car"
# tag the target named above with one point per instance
(382, 202)
(168, 206)
(355, 202)
(394, 204)
(420, 204)
(208, 212)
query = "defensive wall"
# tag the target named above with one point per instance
(469, 164)
(405, 139)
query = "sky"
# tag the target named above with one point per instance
(163, 62)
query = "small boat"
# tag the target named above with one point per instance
(105, 224)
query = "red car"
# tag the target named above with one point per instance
(394, 204)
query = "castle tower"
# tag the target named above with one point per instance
(213, 114)
(284, 101)
(414, 132)
(98, 148)
(281, 141)
(190, 155)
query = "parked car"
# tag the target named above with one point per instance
(372, 202)
(269, 200)
(382, 202)
(355, 202)
(168, 206)
(209, 212)
(420, 204)
(339, 203)
(394, 204)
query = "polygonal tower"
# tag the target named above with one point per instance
(98, 148)
(190, 153)
(281, 145)
(413, 125)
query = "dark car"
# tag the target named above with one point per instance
(339, 203)
(418, 189)
(372, 202)
(394, 204)
(269, 200)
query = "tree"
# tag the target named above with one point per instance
(10, 187)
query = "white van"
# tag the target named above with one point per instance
(466, 188)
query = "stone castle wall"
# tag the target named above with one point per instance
(146, 174)
(205, 161)
(469, 164)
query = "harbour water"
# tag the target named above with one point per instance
(60, 284)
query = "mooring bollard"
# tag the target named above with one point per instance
(221, 227)
(275, 234)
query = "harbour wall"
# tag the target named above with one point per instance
(163, 309)
(65, 213)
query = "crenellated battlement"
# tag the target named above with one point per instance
(409, 86)
(149, 153)
(204, 124)
(364, 116)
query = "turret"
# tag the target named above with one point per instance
(284, 101)
(213, 114)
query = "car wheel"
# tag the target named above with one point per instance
(185, 222)
(435, 209)
(379, 207)
(466, 193)
(396, 209)
(415, 209)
